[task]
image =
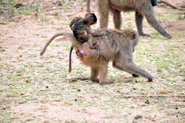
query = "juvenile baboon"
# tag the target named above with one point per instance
(82, 30)
(116, 46)
(141, 7)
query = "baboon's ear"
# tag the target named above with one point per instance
(132, 36)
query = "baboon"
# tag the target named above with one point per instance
(141, 7)
(117, 46)
(82, 30)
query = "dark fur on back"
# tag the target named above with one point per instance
(78, 31)
(79, 27)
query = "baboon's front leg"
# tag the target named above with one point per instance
(103, 69)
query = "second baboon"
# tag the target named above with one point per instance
(116, 46)
(142, 8)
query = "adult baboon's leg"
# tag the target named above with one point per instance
(94, 75)
(88, 6)
(103, 9)
(102, 71)
(131, 67)
(139, 24)
(126, 64)
(117, 19)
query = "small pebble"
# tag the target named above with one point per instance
(147, 102)
(134, 89)
(138, 116)
(132, 107)
(75, 99)
(47, 86)
(78, 90)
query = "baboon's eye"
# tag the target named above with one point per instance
(132, 36)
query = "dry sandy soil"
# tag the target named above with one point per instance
(20, 44)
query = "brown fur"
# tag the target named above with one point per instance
(116, 46)
(141, 7)
(82, 32)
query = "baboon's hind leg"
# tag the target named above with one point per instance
(139, 24)
(130, 67)
(117, 19)
(103, 8)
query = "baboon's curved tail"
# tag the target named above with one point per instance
(69, 35)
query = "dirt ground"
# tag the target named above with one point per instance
(20, 44)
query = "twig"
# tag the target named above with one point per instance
(3, 8)
(13, 18)
(74, 12)
(169, 4)
(75, 79)
(30, 3)
(81, 75)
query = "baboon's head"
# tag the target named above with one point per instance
(134, 38)
(90, 18)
